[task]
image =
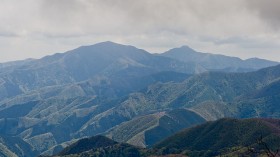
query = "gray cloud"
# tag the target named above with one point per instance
(267, 10)
(244, 28)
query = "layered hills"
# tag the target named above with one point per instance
(101, 89)
(212, 95)
(224, 137)
(145, 131)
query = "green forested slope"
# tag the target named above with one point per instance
(223, 136)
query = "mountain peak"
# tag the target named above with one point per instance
(110, 44)
(185, 47)
(107, 43)
(182, 50)
(107, 46)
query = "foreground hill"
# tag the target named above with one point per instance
(223, 137)
(100, 146)
(229, 137)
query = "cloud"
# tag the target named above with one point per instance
(267, 10)
(229, 27)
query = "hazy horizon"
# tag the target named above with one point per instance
(128, 45)
(239, 28)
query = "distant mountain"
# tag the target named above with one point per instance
(14, 64)
(217, 62)
(144, 131)
(111, 60)
(105, 59)
(225, 137)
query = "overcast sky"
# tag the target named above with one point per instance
(243, 28)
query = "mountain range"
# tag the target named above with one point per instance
(216, 62)
(126, 94)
